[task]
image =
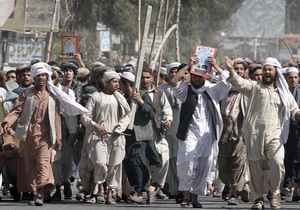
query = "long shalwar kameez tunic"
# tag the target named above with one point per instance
(104, 154)
(200, 146)
(34, 167)
(263, 134)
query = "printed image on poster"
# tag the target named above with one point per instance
(203, 68)
(69, 45)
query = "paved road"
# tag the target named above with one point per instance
(207, 202)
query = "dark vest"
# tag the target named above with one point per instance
(187, 111)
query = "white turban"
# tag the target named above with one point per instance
(129, 76)
(284, 94)
(109, 75)
(40, 68)
(292, 69)
(68, 106)
(172, 65)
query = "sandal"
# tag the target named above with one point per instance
(196, 204)
(185, 203)
(258, 205)
(209, 191)
(232, 201)
(274, 202)
(216, 193)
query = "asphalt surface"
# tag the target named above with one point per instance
(208, 202)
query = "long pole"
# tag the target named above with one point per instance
(161, 52)
(155, 31)
(139, 25)
(140, 65)
(152, 64)
(290, 52)
(177, 32)
(51, 32)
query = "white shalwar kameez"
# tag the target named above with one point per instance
(196, 152)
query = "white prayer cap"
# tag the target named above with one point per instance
(109, 75)
(172, 65)
(164, 70)
(129, 76)
(273, 62)
(40, 68)
(283, 70)
(292, 69)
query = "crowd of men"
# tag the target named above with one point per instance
(228, 133)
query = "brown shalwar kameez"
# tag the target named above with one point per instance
(34, 167)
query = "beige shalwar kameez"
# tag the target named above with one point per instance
(104, 154)
(263, 134)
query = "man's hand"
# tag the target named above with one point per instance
(72, 138)
(138, 98)
(297, 116)
(229, 62)
(57, 145)
(101, 130)
(194, 59)
(167, 124)
(211, 60)
(6, 128)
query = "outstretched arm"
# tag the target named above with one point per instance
(181, 72)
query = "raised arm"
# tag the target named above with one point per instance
(181, 72)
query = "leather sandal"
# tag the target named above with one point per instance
(258, 205)
(185, 203)
(216, 193)
(274, 202)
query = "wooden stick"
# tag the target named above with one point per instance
(139, 24)
(162, 50)
(51, 33)
(122, 134)
(155, 31)
(140, 65)
(290, 52)
(152, 64)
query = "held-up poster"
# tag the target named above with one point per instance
(203, 68)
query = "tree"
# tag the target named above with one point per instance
(200, 20)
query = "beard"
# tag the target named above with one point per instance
(272, 79)
(196, 85)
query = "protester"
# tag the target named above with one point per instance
(266, 127)
(162, 121)
(232, 149)
(292, 156)
(140, 148)
(39, 130)
(200, 128)
(104, 147)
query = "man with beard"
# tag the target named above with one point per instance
(200, 128)
(266, 127)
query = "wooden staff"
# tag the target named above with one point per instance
(152, 64)
(290, 52)
(140, 65)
